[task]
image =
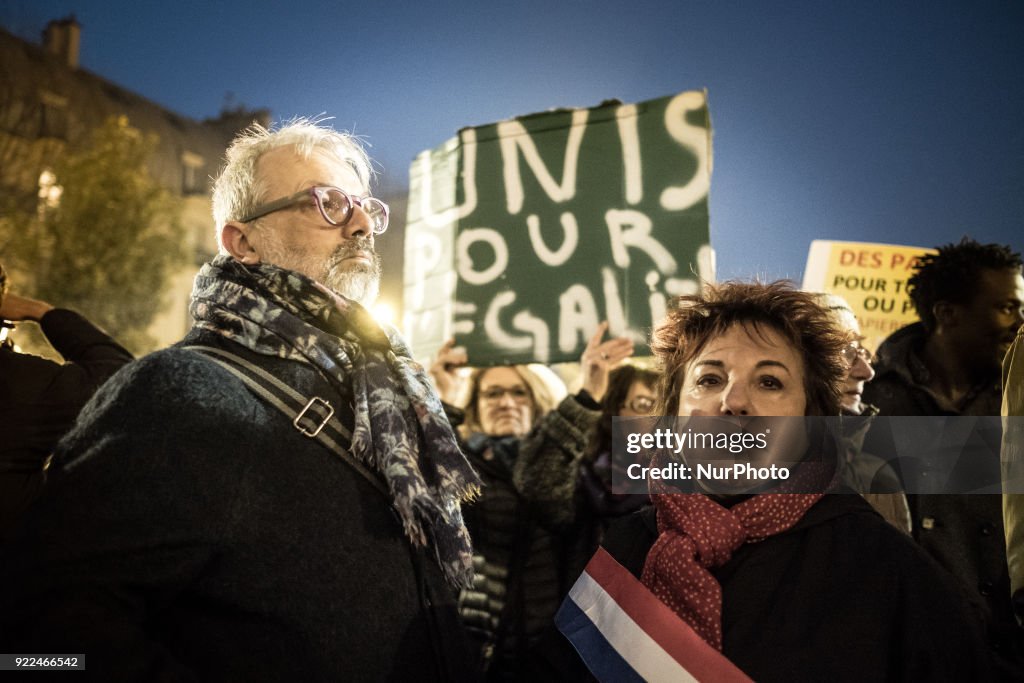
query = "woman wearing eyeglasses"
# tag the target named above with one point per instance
(522, 445)
(631, 393)
(865, 473)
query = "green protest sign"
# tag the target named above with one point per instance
(523, 235)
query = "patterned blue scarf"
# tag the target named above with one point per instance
(400, 429)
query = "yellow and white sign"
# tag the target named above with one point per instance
(871, 277)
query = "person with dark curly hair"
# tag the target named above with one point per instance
(808, 584)
(970, 300)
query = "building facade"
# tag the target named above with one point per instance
(48, 103)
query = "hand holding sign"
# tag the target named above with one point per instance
(445, 371)
(600, 358)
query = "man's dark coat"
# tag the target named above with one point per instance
(193, 532)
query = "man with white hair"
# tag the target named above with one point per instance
(865, 473)
(277, 497)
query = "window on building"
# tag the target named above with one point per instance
(192, 180)
(53, 113)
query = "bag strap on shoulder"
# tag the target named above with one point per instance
(312, 417)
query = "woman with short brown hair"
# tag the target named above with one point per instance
(777, 306)
(809, 585)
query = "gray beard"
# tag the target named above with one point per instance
(354, 280)
(357, 281)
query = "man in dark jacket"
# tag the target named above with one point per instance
(39, 398)
(278, 496)
(969, 299)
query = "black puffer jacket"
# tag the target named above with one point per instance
(525, 547)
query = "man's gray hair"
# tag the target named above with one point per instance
(237, 191)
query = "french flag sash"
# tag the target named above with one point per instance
(624, 633)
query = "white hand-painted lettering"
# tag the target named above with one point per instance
(571, 237)
(467, 309)
(681, 287)
(492, 326)
(424, 162)
(537, 337)
(513, 137)
(577, 317)
(706, 263)
(629, 139)
(694, 139)
(524, 321)
(614, 314)
(630, 228)
(614, 311)
(659, 307)
(464, 264)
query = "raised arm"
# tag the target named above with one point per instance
(547, 470)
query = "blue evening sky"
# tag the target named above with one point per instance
(874, 121)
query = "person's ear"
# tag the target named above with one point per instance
(947, 314)
(235, 240)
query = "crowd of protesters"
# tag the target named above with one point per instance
(287, 493)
